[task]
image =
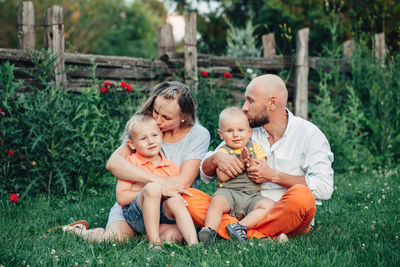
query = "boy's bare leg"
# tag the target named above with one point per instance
(149, 202)
(259, 212)
(218, 206)
(175, 207)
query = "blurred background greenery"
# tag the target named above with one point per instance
(128, 27)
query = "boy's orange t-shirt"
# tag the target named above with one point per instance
(164, 168)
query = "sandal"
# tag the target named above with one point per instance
(78, 225)
(156, 246)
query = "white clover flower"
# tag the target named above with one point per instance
(114, 245)
(383, 197)
(227, 262)
(53, 251)
(363, 246)
(372, 228)
(248, 70)
(100, 262)
(251, 244)
(76, 264)
(69, 251)
(87, 262)
(148, 259)
(216, 251)
(368, 196)
(172, 253)
(366, 207)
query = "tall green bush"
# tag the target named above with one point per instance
(357, 107)
(60, 141)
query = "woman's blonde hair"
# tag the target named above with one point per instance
(173, 90)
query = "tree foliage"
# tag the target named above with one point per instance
(94, 26)
(285, 18)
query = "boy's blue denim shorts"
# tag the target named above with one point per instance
(134, 216)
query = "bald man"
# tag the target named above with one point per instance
(298, 173)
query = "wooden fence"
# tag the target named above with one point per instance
(73, 70)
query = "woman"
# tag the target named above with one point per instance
(185, 142)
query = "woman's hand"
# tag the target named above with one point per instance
(228, 164)
(170, 189)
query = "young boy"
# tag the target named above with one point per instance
(144, 207)
(239, 195)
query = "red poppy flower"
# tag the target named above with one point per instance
(10, 152)
(227, 75)
(107, 84)
(14, 198)
(128, 88)
(204, 73)
(123, 84)
(103, 90)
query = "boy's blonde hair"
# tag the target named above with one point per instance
(134, 122)
(229, 112)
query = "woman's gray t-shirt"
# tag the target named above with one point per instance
(193, 146)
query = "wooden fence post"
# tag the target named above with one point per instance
(348, 48)
(26, 25)
(302, 69)
(380, 46)
(190, 49)
(54, 40)
(165, 40)
(268, 41)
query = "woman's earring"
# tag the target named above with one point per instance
(182, 121)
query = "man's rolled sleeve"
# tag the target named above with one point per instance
(205, 178)
(318, 165)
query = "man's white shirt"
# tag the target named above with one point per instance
(303, 150)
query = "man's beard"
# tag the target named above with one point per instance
(260, 119)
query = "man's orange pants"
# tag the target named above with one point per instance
(291, 215)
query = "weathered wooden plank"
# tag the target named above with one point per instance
(380, 46)
(268, 41)
(119, 73)
(165, 40)
(348, 48)
(302, 69)
(53, 21)
(190, 48)
(26, 25)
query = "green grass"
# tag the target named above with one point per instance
(359, 226)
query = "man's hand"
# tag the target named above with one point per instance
(228, 164)
(260, 172)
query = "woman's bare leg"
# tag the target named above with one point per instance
(170, 232)
(117, 231)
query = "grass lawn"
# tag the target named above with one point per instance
(359, 226)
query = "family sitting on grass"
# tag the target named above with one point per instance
(272, 168)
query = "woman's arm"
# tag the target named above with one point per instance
(189, 171)
(121, 168)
